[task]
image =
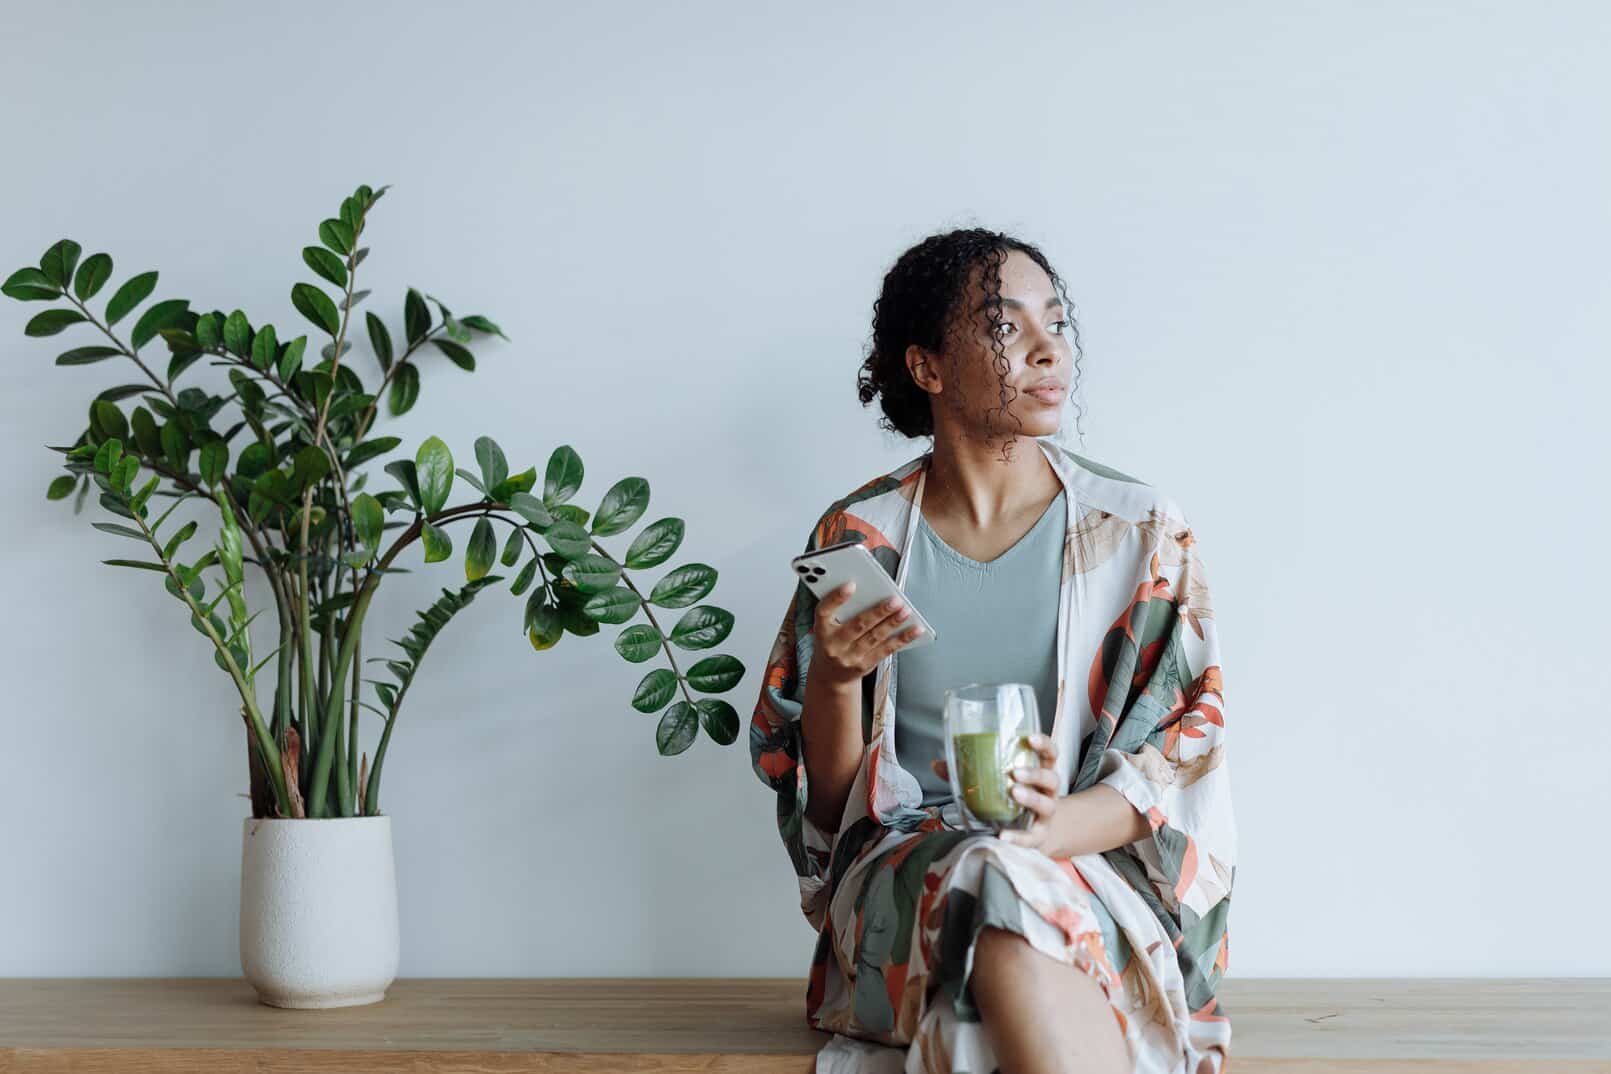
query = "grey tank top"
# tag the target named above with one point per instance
(996, 621)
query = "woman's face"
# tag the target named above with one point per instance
(966, 384)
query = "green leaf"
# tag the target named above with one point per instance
(326, 264)
(638, 643)
(58, 262)
(238, 337)
(719, 718)
(545, 626)
(164, 314)
(592, 573)
(416, 316)
(494, 468)
(61, 487)
(110, 419)
(512, 546)
(405, 388)
(337, 235)
(135, 290)
(176, 446)
(30, 285)
(482, 547)
(316, 306)
(87, 355)
(265, 347)
(481, 324)
(368, 521)
(370, 449)
(255, 458)
(49, 322)
(657, 688)
(107, 456)
(525, 577)
(92, 276)
(615, 605)
(676, 729)
(474, 481)
(121, 531)
(686, 585)
(403, 470)
(656, 544)
(458, 354)
(309, 467)
(714, 674)
(159, 568)
(564, 476)
(291, 361)
(521, 482)
(185, 533)
(622, 505)
(126, 472)
(145, 430)
(703, 627)
(434, 465)
(572, 617)
(438, 545)
(531, 509)
(213, 462)
(209, 330)
(114, 505)
(569, 512)
(380, 340)
(569, 539)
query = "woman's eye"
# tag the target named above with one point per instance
(1061, 326)
(1007, 325)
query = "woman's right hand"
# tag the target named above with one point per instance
(846, 651)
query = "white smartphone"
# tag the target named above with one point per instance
(826, 569)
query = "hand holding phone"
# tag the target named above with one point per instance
(856, 625)
(847, 649)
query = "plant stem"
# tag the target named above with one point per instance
(265, 741)
(665, 640)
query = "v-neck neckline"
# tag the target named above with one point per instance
(989, 564)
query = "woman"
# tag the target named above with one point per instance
(1094, 939)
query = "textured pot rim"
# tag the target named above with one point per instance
(386, 817)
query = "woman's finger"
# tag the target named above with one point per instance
(1047, 749)
(1043, 779)
(1043, 805)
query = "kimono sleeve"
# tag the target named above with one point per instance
(1168, 757)
(776, 755)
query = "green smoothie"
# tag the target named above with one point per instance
(984, 763)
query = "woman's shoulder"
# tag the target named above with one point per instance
(1100, 486)
(871, 512)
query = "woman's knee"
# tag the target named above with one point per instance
(997, 946)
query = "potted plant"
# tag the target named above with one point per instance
(283, 484)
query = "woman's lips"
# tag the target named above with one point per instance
(1050, 396)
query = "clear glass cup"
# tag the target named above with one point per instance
(987, 729)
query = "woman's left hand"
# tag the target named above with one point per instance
(1037, 789)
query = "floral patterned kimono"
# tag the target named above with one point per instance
(898, 893)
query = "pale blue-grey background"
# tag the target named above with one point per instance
(1341, 273)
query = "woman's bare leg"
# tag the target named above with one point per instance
(1042, 1016)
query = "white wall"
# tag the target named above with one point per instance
(1343, 286)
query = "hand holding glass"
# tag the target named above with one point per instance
(987, 729)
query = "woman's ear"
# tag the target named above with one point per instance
(923, 367)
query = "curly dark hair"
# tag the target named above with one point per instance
(919, 304)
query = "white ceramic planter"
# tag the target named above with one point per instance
(318, 910)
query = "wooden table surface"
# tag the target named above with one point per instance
(748, 1025)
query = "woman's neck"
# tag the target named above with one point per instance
(969, 482)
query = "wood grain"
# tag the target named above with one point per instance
(749, 1025)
